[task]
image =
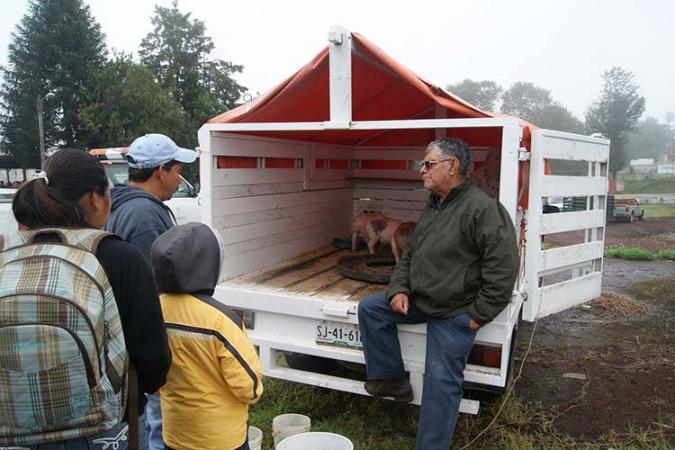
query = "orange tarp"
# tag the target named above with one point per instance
(382, 89)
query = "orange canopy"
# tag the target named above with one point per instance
(382, 89)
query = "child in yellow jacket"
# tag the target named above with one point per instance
(215, 372)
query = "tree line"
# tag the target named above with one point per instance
(615, 114)
(96, 98)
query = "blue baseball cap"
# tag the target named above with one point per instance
(153, 150)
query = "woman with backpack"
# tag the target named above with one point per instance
(78, 306)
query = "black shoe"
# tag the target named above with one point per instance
(401, 390)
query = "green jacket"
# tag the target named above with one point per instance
(462, 257)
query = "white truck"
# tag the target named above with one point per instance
(284, 175)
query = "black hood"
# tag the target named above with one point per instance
(187, 259)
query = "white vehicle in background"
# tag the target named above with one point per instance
(8, 223)
(185, 203)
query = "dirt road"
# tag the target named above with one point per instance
(609, 366)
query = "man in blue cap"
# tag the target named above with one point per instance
(138, 215)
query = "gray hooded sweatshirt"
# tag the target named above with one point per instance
(187, 259)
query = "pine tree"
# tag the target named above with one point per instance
(126, 102)
(616, 114)
(177, 51)
(54, 50)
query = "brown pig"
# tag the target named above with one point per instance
(382, 230)
(360, 224)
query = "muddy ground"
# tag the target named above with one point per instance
(651, 234)
(609, 366)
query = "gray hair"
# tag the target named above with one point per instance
(453, 148)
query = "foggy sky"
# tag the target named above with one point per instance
(561, 45)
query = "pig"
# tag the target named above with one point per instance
(360, 224)
(401, 236)
(382, 230)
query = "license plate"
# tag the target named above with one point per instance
(338, 334)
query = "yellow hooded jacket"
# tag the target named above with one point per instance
(215, 372)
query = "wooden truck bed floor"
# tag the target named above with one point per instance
(311, 274)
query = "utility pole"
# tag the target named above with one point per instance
(41, 131)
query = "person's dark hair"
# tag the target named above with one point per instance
(453, 148)
(141, 175)
(53, 201)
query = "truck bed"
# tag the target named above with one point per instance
(311, 274)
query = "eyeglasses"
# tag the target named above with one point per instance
(427, 165)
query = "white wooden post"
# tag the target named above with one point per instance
(508, 180)
(340, 60)
(532, 235)
(206, 166)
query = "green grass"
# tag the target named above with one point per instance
(666, 254)
(385, 425)
(639, 254)
(654, 186)
(633, 254)
(652, 211)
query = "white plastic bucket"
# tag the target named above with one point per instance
(316, 441)
(286, 425)
(255, 438)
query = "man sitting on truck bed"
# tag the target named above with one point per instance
(456, 274)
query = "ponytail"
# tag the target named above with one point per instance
(53, 199)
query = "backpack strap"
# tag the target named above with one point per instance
(87, 239)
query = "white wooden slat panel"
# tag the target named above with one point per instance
(336, 225)
(569, 221)
(269, 256)
(391, 194)
(329, 174)
(266, 202)
(264, 229)
(235, 220)
(560, 146)
(388, 154)
(387, 184)
(229, 177)
(557, 297)
(321, 151)
(253, 148)
(387, 174)
(323, 185)
(402, 153)
(248, 190)
(566, 256)
(403, 215)
(391, 204)
(573, 186)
